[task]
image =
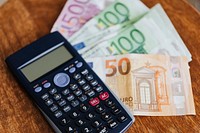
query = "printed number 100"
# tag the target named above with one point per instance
(113, 18)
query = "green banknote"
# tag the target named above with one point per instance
(151, 34)
(118, 12)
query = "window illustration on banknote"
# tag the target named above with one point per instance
(150, 88)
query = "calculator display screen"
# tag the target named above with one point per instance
(46, 63)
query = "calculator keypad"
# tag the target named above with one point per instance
(80, 103)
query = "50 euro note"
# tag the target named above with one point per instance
(118, 12)
(150, 85)
(76, 13)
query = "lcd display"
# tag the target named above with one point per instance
(46, 63)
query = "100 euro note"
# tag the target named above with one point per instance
(103, 35)
(150, 85)
(118, 12)
(142, 37)
(76, 13)
(148, 35)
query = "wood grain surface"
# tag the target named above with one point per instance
(23, 21)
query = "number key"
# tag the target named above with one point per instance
(87, 130)
(90, 116)
(74, 115)
(84, 108)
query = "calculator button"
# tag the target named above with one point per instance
(94, 83)
(87, 130)
(57, 97)
(96, 123)
(38, 89)
(67, 108)
(84, 108)
(70, 97)
(73, 86)
(99, 89)
(103, 129)
(115, 110)
(90, 93)
(82, 98)
(78, 92)
(45, 96)
(85, 72)
(90, 116)
(61, 79)
(62, 102)
(122, 118)
(74, 115)
(71, 129)
(49, 102)
(64, 121)
(94, 101)
(47, 85)
(81, 82)
(86, 87)
(58, 114)
(89, 77)
(54, 108)
(53, 91)
(104, 96)
(80, 122)
(106, 116)
(100, 109)
(72, 70)
(65, 92)
(113, 124)
(75, 103)
(80, 64)
(77, 76)
(109, 103)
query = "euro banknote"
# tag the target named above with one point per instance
(101, 36)
(148, 35)
(143, 37)
(150, 85)
(76, 13)
(118, 12)
(158, 15)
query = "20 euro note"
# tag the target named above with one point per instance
(76, 13)
(118, 12)
(150, 85)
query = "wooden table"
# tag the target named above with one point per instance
(23, 21)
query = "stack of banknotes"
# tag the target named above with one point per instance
(135, 50)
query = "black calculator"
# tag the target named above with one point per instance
(66, 90)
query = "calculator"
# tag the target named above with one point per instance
(66, 90)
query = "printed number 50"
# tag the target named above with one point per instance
(111, 64)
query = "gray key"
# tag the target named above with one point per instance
(75, 103)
